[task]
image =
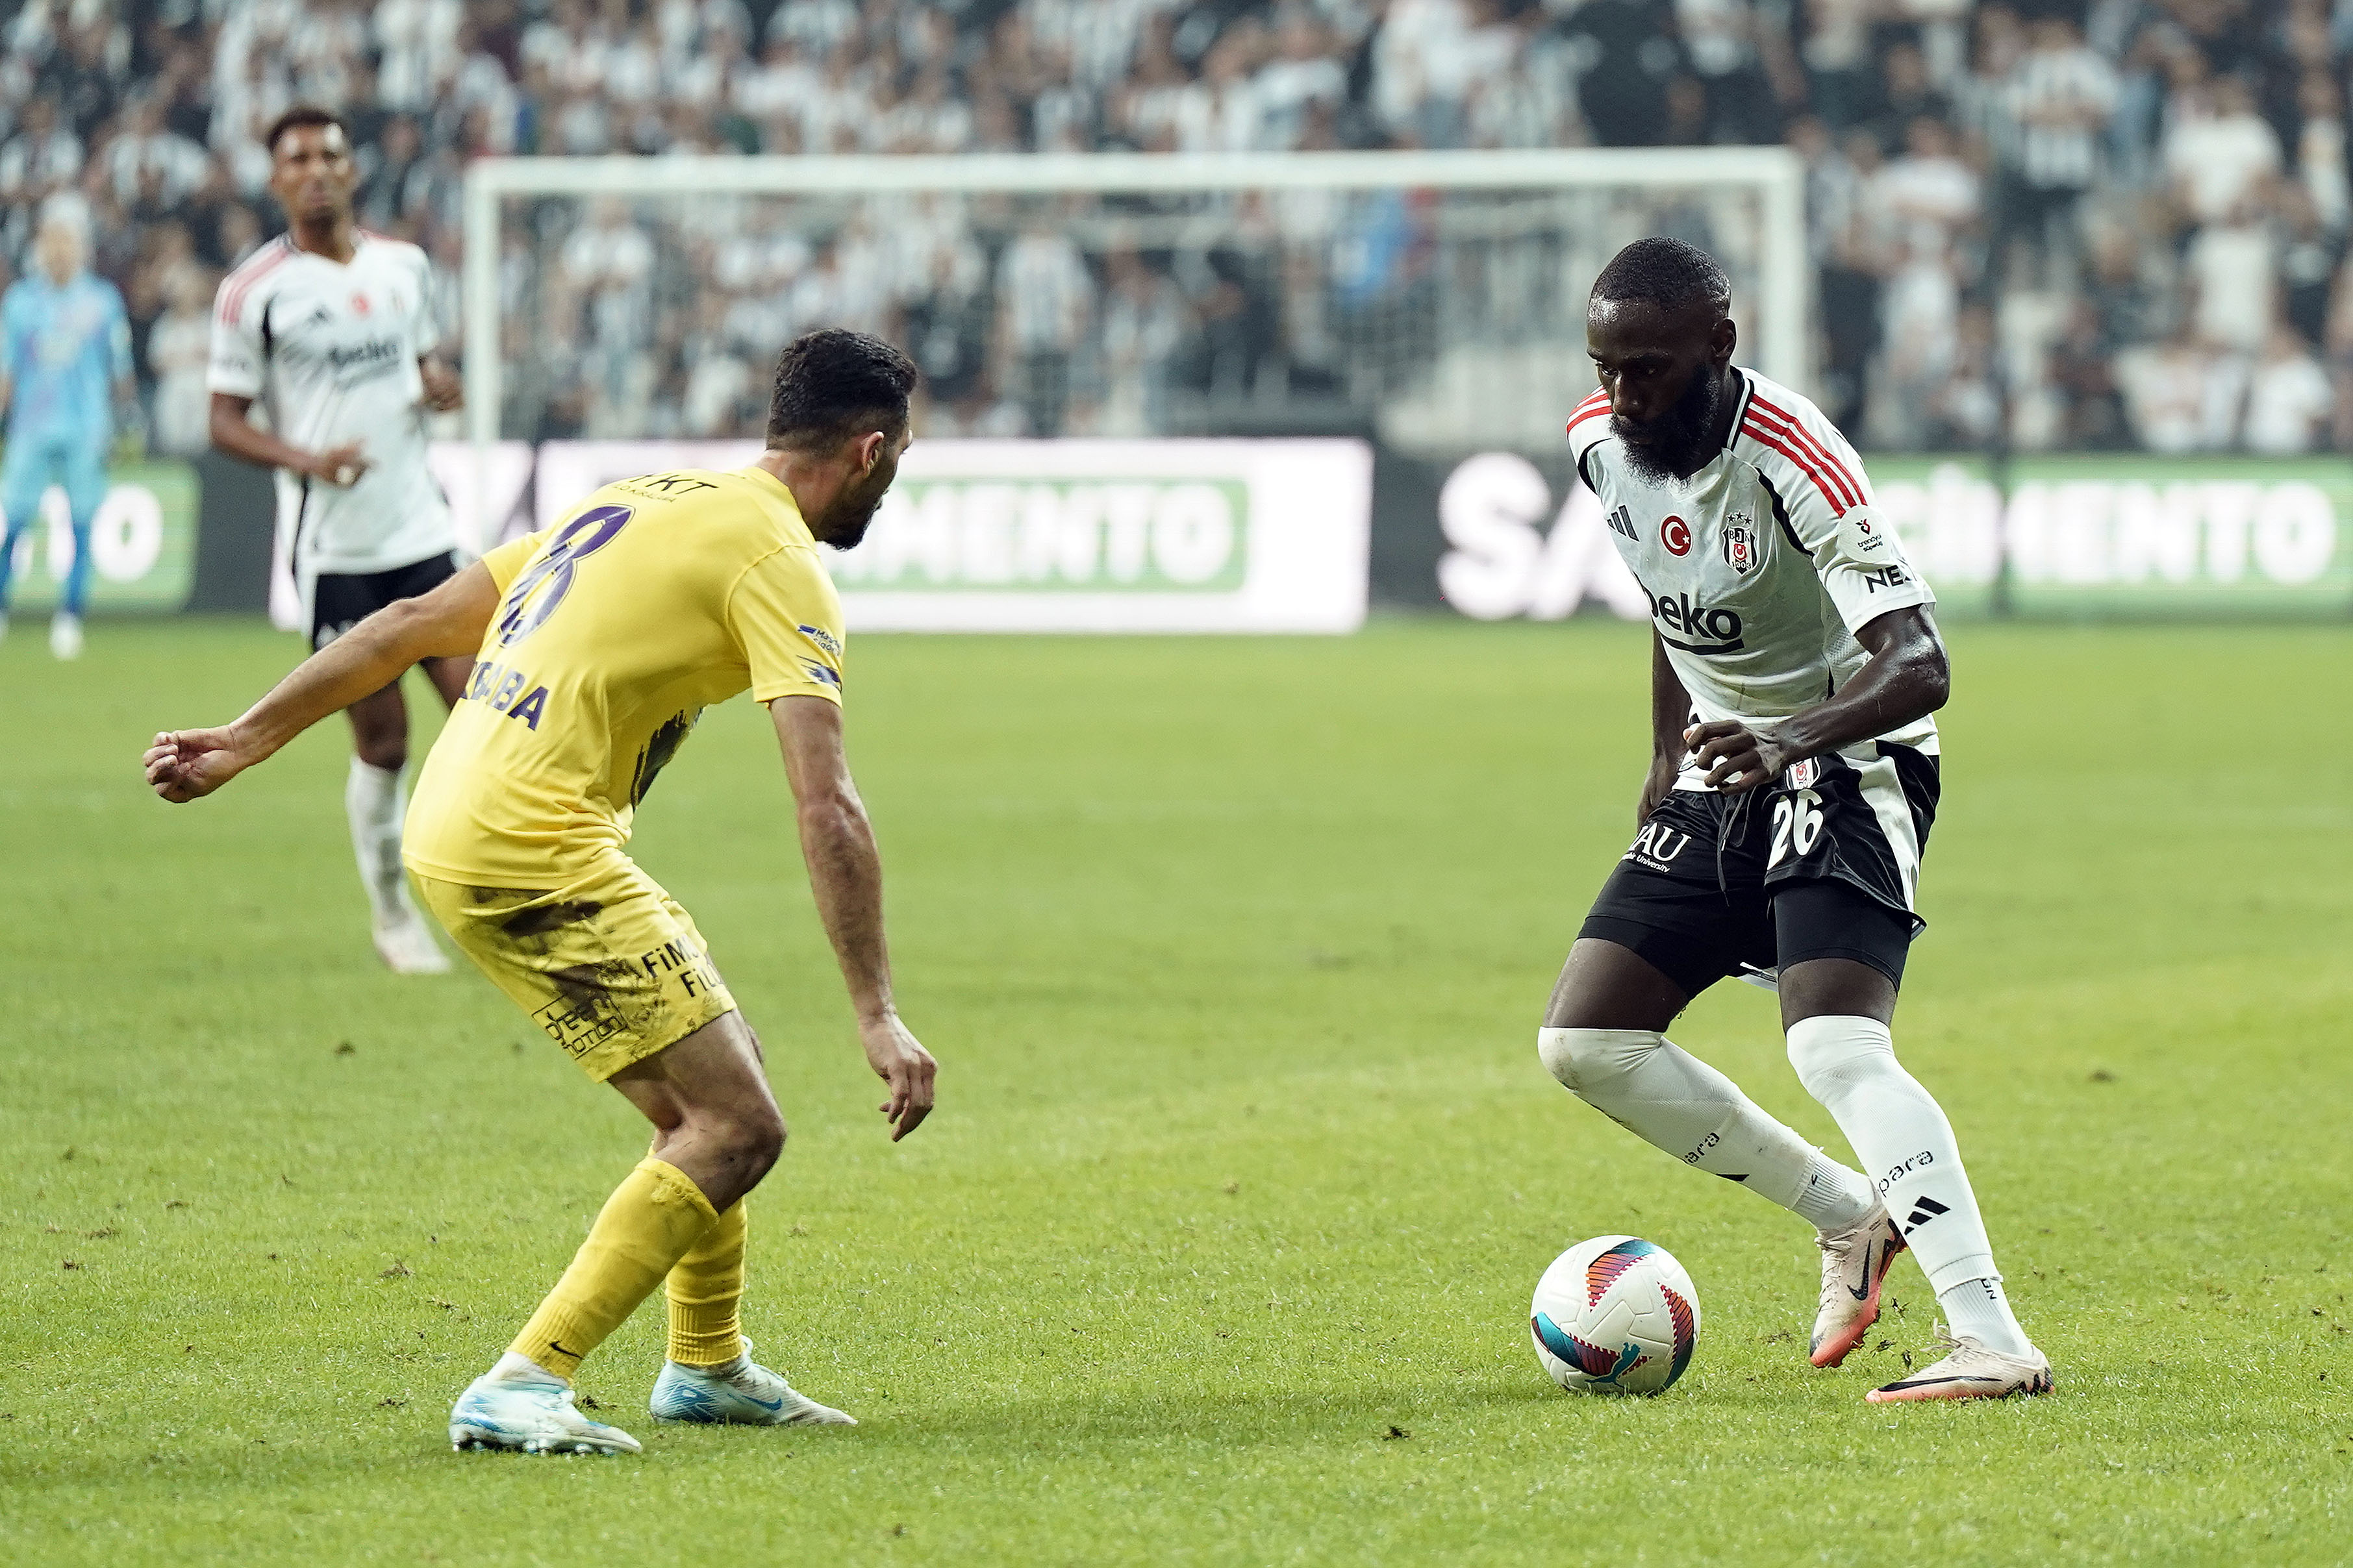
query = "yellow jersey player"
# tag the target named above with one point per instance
(598, 642)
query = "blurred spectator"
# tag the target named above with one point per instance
(2165, 392)
(2219, 153)
(1628, 55)
(2309, 253)
(1929, 195)
(2288, 397)
(2230, 271)
(2083, 374)
(2062, 95)
(1044, 297)
(178, 350)
(1838, 60)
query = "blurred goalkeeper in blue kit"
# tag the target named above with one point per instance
(65, 359)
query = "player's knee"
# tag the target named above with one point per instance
(385, 749)
(1832, 1053)
(757, 1136)
(1583, 1059)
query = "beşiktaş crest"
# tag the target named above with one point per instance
(1740, 543)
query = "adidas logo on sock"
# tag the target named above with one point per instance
(1924, 1209)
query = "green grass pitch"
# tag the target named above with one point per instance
(1219, 1247)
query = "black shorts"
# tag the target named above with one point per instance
(341, 601)
(1820, 863)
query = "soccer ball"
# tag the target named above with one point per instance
(1614, 1315)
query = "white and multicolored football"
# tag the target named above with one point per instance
(1614, 1315)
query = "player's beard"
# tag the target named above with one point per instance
(1673, 443)
(851, 515)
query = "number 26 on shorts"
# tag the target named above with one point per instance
(1797, 825)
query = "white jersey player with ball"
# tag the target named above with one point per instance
(331, 331)
(1793, 783)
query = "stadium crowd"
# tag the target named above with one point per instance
(2124, 221)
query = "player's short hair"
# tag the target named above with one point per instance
(833, 383)
(298, 117)
(1664, 272)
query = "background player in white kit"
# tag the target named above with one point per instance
(331, 329)
(1792, 783)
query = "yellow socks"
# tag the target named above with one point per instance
(704, 1290)
(652, 1220)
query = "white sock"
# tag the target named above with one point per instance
(1664, 1095)
(1907, 1150)
(1977, 1309)
(374, 803)
(515, 1367)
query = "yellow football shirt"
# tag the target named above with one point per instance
(655, 597)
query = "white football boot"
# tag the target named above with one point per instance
(407, 946)
(1854, 1262)
(530, 1418)
(1970, 1370)
(744, 1393)
(65, 634)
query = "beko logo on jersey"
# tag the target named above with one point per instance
(376, 352)
(1721, 627)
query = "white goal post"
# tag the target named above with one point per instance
(1776, 316)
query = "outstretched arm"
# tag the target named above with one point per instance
(846, 876)
(448, 622)
(1907, 676)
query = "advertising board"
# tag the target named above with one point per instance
(2085, 535)
(142, 544)
(1076, 536)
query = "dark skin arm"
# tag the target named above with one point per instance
(233, 433)
(1670, 713)
(1906, 678)
(444, 388)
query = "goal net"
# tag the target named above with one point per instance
(1433, 301)
(1095, 332)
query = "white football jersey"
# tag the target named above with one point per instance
(330, 351)
(1760, 566)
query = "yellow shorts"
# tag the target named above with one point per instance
(610, 966)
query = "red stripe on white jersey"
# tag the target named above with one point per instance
(1776, 418)
(1771, 416)
(1764, 436)
(1598, 403)
(240, 282)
